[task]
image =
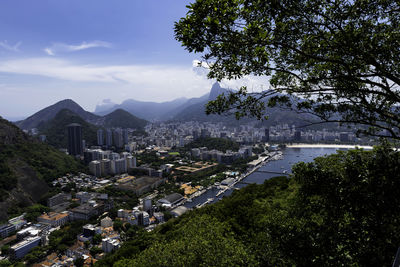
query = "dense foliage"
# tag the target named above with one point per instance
(220, 144)
(340, 210)
(47, 162)
(341, 56)
(22, 156)
(123, 119)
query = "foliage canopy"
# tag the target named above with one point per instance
(340, 57)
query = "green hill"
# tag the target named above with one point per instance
(26, 166)
(123, 119)
(340, 210)
(211, 143)
(49, 113)
(56, 129)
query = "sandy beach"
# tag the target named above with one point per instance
(327, 146)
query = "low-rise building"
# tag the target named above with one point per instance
(108, 244)
(159, 216)
(142, 185)
(54, 219)
(58, 199)
(20, 249)
(83, 196)
(179, 211)
(6, 230)
(171, 199)
(87, 210)
(106, 222)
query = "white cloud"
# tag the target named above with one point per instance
(142, 82)
(61, 47)
(156, 82)
(5, 45)
(49, 51)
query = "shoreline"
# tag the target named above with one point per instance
(326, 146)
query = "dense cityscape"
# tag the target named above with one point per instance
(153, 171)
(199, 133)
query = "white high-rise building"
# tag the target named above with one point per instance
(100, 137)
(95, 168)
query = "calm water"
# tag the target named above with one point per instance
(290, 156)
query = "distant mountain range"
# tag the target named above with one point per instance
(181, 109)
(276, 115)
(135, 114)
(151, 111)
(116, 118)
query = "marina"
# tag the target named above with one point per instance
(223, 190)
(276, 164)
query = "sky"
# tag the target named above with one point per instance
(95, 50)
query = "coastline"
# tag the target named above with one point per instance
(326, 146)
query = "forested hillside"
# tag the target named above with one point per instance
(56, 129)
(340, 210)
(26, 166)
(220, 144)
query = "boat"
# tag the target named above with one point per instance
(219, 192)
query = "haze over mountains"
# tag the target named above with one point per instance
(136, 114)
(163, 111)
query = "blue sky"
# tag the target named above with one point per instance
(90, 50)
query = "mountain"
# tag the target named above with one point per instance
(216, 90)
(26, 166)
(56, 129)
(104, 107)
(147, 110)
(50, 112)
(192, 101)
(197, 111)
(277, 115)
(123, 119)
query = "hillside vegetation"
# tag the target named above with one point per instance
(340, 210)
(26, 166)
(211, 143)
(123, 119)
(48, 113)
(56, 129)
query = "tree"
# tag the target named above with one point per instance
(338, 60)
(201, 242)
(349, 205)
(79, 262)
(5, 249)
(5, 263)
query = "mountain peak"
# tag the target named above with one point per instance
(50, 112)
(216, 90)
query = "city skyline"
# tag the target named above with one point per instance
(95, 50)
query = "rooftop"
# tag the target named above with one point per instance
(53, 216)
(172, 198)
(25, 242)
